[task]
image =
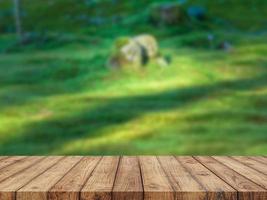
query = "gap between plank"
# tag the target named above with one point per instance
(239, 173)
(215, 174)
(199, 182)
(141, 175)
(22, 169)
(252, 158)
(38, 175)
(118, 165)
(174, 195)
(47, 193)
(248, 165)
(79, 194)
(218, 175)
(13, 162)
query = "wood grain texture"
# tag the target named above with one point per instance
(13, 183)
(69, 187)
(259, 166)
(128, 184)
(246, 171)
(133, 178)
(38, 188)
(155, 181)
(8, 161)
(99, 186)
(17, 166)
(216, 188)
(185, 186)
(3, 157)
(259, 159)
(246, 188)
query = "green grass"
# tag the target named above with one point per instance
(57, 97)
(64, 101)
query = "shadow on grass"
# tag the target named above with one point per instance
(38, 78)
(47, 136)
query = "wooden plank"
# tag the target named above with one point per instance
(216, 188)
(155, 181)
(128, 184)
(259, 166)
(259, 159)
(246, 188)
(10, 160)
(246, 171)
(100, 184)
(38, 188)
(17, 166)
(68, 188)
(133, 178)
(185, 186)
(13, 183)
(3, 157)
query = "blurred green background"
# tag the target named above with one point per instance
(58, 97)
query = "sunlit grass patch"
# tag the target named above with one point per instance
(65, 101)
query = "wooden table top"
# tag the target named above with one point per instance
(133, 178)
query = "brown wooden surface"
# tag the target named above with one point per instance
(5, 161)
(252, 163)
(17, 167)
(246, 188)
(133, 178)
(15, 182)
(100, 184)
(38, 188)
(71, 184)
(128, 184)
(215, 187)
(155, 181)
(248, 172)
(183, 183)
(260, 159)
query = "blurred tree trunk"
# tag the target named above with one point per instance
(17, 16)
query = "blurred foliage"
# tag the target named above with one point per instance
(57, 96)
(70, 15)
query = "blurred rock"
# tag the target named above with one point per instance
(167, 14)
(127, 52)
(149, 44)
(135, 52)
